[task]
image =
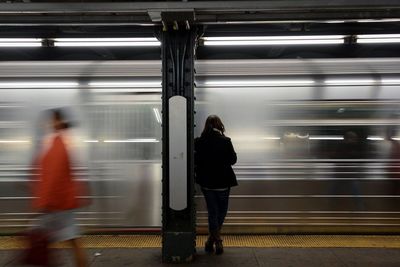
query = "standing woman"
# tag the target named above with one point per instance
(214, 157)
(56, 191)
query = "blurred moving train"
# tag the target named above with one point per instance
(316, 140)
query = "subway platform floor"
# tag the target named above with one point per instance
(271, 250)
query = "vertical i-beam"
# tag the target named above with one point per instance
(178, 212)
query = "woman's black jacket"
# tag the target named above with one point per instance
(214, 157)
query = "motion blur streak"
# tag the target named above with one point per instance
(309, 154)
(318, 154)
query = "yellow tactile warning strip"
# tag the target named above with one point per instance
(258, 241)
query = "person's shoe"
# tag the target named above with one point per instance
(219, 248)
(209, 246)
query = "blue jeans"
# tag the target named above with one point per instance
(217, 206)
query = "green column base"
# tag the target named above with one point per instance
(178, 247)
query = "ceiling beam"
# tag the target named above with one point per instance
(205, 11)
(199, 6)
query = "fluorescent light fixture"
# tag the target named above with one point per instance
(377, 20)
(366, 81)
(396, 138)
(103, 44)
(20, 42)
(118, 84)
(390, 81)
(157, 114)
(378, 38)
(24, 44)
(240, 83)
(388, 20)
(88, 42)
(42, 84)
(350, 81)
(336, 21)
(375, 138)
(141, 140)
(367, 36)
(126, 90)
(256, 38)
(378, 41)
(139, 39)
(271, 138)
(274, 40)
(326, 137)
(13, 141)
(91, 141)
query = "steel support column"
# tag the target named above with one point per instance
(178, 231)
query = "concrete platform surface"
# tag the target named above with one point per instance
(279, 257)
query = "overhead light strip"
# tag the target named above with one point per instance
(141, 140)
(20, 42)
(390, 81)
(365, 81)
(378, 20)
(378, 41)
(93, 42)
(79, 42)
(126, 87)
(155, 87)
(139, 39)
(375, 138)
(298, 40)
(13, 141)
(378, 38)
(126, 90)
(118, 84)
(41, 84)
(140, 87)
(280, 38)
(266, 83)
(103, 44)
(271, 138)
(350, 81)
(273, 40)
(240, 83)
(212, 41)
(326, 137)
(20, 45)
(335, 21)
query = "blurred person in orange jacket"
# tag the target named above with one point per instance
(56, 191)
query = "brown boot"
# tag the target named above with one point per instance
(209, 245)
(219, 248)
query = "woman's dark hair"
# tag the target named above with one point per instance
(213, 122)
(58, 114)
